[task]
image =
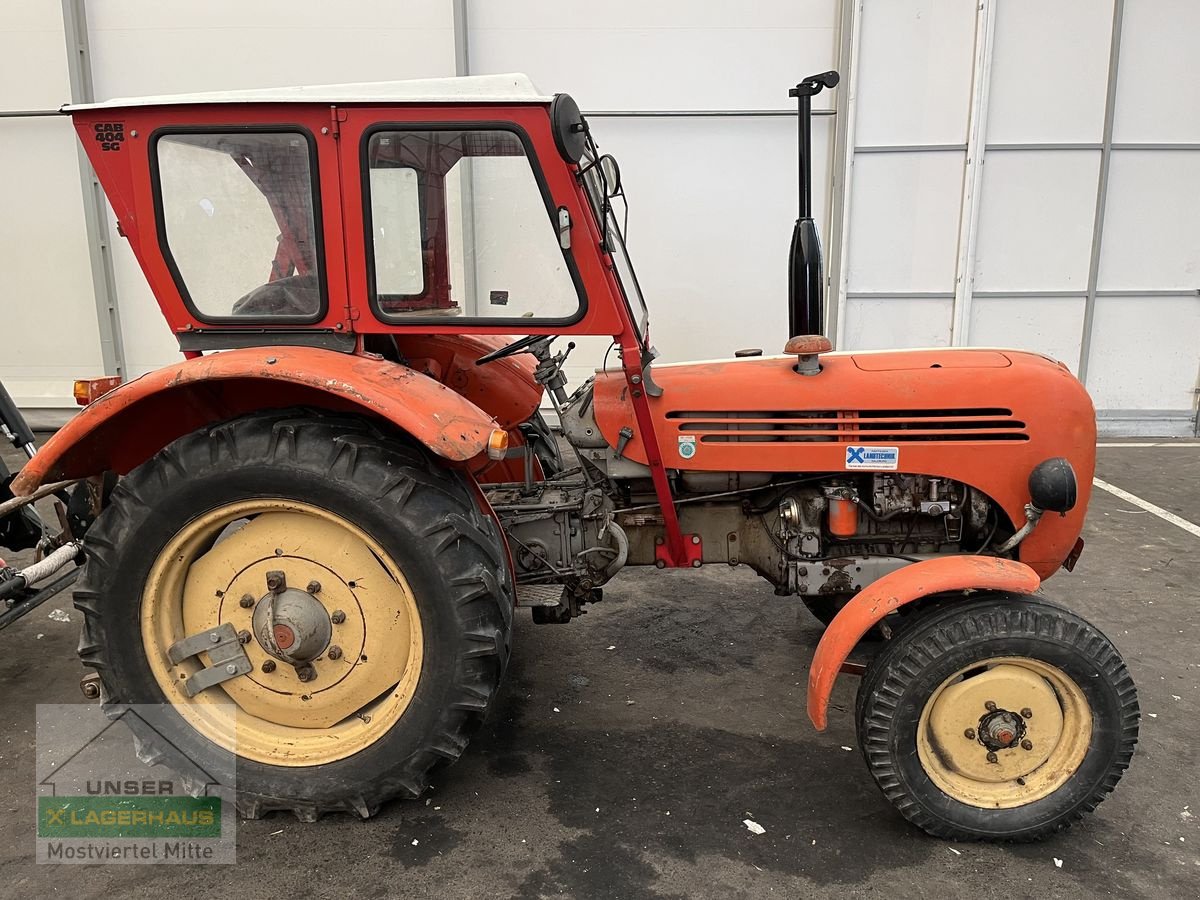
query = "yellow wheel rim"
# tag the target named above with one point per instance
(358, 692)
(1004, 732)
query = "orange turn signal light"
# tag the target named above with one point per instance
(497, 444)
(89, 390)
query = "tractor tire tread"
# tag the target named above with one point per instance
(473, 544)
(981, 617)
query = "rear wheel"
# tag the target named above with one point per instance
(370, 594)
(997, 718)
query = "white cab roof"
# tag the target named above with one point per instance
(513, 88)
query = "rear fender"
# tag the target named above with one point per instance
(946, 574)
(127, 426)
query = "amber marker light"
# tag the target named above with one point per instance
(497, 443)
(89, 390)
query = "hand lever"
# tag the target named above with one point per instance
(814, 83)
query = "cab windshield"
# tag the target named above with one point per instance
(601, 196)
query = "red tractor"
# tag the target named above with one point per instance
(312, 543)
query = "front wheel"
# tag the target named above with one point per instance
(365, 597)
(1000, 717)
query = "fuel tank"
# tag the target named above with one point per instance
(982, 417)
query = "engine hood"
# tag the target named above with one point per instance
(982, 417)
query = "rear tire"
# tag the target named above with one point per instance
(420, 520)
(926, 731)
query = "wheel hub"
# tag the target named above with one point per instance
(355, 650)
(977, 750)
(1001, 729)
(292, 626)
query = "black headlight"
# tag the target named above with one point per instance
(1052, 485)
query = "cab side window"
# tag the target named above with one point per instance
(458, 226)
(239, 223)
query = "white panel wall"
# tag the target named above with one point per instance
(1008, 238)
(1158, 93)
(46, 293)
(1145, 349)
(667, 54)
(913, 86)
(915, 81)
(1049, 66)
(876, 323)
(149, 47)
(1035, 220)
(1148, 349)
(1049, 325)
(904, 221)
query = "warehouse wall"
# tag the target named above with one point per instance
(976, 159)
(994, 202)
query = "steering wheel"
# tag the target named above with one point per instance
(515, 347)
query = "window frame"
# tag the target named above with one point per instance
(410, 319)
(160, 222)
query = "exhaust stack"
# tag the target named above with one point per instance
(806, 280)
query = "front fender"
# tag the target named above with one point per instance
(130, 424)
(889, 593)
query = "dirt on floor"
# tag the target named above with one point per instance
(629, 746)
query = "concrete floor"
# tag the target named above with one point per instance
(627, 772)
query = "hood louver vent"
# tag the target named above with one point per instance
(863, 426)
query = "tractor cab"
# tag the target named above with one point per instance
(323, 215)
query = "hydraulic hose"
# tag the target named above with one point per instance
(44, 568)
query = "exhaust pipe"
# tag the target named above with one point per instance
(806, 280)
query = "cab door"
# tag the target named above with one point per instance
(458, 222)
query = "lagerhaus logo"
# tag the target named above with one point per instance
(98, 802)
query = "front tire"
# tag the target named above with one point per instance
(386, 549)
(1000, 717)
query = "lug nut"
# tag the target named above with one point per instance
(990, 705)
(991, 757)
(338, 617)
(90, 685)
(314, 587)
(306, 673)
(247, 601)
(276, 581)
(1027, 713)
(1026, 745)
(335, 652)
(244, 636)
(969, 734)
(268, 666)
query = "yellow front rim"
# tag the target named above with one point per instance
(358, 692)
(1004, 732)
